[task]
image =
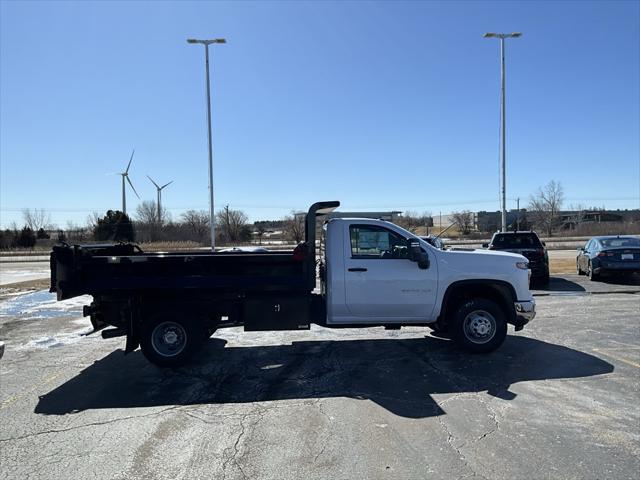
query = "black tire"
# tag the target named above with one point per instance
(169, 339)
(594, 277)
(578, 269)
(479, 325)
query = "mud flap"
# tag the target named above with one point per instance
(132, 344)
(519, 323)
(133, 337)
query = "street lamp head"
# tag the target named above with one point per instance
(206, 42)
(502, 35)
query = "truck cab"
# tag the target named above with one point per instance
(377, 273)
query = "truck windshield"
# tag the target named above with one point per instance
(516, 240)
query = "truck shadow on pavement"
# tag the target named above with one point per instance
(398, 374)
(559, 284)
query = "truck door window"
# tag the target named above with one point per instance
(368, 241)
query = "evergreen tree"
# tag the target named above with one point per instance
(114, 226)
(26, 238)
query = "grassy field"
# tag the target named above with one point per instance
(562, 265)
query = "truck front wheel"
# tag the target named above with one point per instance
(479, 325)
(170, 339)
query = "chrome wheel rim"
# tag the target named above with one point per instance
(479, 326)
(169, 339)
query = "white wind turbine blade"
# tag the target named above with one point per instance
(130, 160)
(166, 184)
(134, 188)
(153, 181)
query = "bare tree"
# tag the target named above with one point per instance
(92, 220)
(197, 222)
(232, 225)
(464, 219)
(73, 232)
(294, 226)
(545, 205)
(414, 220)
(260, 231)
(36, 219)
(147, 213)
(577, 216)
(148, 225)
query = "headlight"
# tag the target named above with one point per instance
(522, 265)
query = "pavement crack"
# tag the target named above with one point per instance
(327, 436)
(236, 450)
(494, 418)
(85, 425)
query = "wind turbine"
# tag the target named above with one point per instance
(159, 189)
(125, 174)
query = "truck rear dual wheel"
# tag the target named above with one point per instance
(170, 339)
(478, 325)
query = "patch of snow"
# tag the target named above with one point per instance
(6, 292)
(56, 340)
(13, 276)
(42, 304)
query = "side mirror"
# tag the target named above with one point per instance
(416, 254)
(414, 250)
(485, 245)
(544, 244)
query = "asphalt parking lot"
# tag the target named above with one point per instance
(558, 400)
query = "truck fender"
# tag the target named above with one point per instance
(499, 291)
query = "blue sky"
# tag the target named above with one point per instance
(380, 105)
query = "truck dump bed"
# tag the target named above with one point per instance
(86, 269)
(109, 269)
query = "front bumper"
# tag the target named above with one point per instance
(525, 312)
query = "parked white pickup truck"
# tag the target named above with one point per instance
(372, 273)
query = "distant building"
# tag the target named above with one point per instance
(570, 219)
(443, 220)
(492, 221)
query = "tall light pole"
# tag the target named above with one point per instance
(206, 44)
(503, 181)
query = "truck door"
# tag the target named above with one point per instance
(381, 283)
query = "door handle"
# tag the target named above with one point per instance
(359, 269)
